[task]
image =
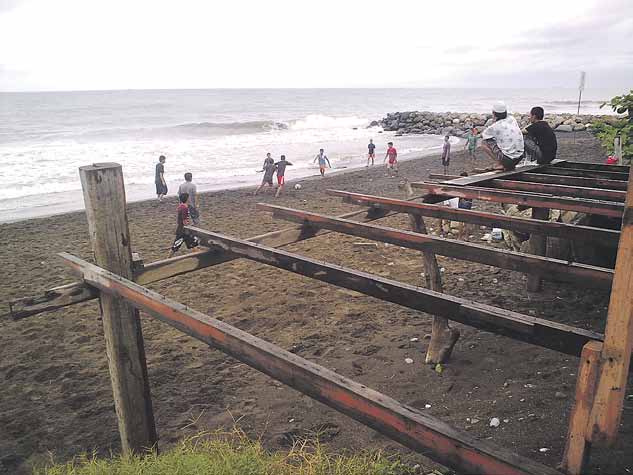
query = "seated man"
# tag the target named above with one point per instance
(503, 140)
(540, 142)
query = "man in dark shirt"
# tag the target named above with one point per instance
(269, 170)
(281, 170)
(159, 178)
(540, 142)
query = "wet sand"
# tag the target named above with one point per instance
(56, 394)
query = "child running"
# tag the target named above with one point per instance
(322, 158)
(182, 220)
(392, 165)
(281, 170)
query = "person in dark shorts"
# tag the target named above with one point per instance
(464, 203)
(269, 170)
(540, 140)
(503, 140)
(182, 220)
(159, 178)
(281, 170)
(371, 152)
(446, 154)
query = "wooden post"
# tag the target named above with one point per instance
(577, 448)
(618, 339)
(104, 197)
(443, 337)
(538, 246)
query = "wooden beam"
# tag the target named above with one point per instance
(585, 173)
(443, 192)
(78, 292)
(580, 274)
(602, 183)
(616, 352)
(485, 176)
(574, 232)
(442, 177)
(560, 190)
(408, 426)
(595, 166)
(556, 336)
(104, 197)
(577, 448)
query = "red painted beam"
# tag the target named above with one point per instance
(410, 427)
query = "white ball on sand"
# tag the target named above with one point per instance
(298, 186)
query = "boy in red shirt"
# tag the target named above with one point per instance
(182, 219)
(392, 165)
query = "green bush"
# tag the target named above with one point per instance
(623, 127)
(232, 454)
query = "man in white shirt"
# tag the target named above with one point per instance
(190, 188)
(503, 140)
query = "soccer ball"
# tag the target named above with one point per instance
(298, 186)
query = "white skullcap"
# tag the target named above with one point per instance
(499, 107)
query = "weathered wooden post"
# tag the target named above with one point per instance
(104, 197)
(538, 246)
(577, 448)
(443, 337)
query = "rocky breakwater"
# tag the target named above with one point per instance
(459, 124)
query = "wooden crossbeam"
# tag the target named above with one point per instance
(607, 237)
(595, 166)
(559, 190)
(566, 171)
(404, 424)
(556, 336)
(579, 274)
(604, 183)
(536, 200)
(78, 292)
(485, 176)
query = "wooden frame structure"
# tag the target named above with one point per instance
(117, 280)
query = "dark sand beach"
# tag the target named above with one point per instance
(56, 395)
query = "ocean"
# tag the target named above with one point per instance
(220, 135)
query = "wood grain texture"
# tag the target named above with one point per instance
(104, 197)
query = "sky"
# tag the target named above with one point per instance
(155, 44)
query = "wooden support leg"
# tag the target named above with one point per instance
(104, 196)
(443, 337)
(538, 246)
(577, 448)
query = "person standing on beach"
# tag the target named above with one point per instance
(182, 220)
(392, 164)
(446, 154)
(159, 178)
(322, 158)
(471, 142)
(281, 170)
(190, 188)
(371, 155)
(540, 141)
(269, 170)
(503, 140)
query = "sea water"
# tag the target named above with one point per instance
(221, 136)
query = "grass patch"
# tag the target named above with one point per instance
(232, 454)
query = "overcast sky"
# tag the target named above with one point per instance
(142, 44)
